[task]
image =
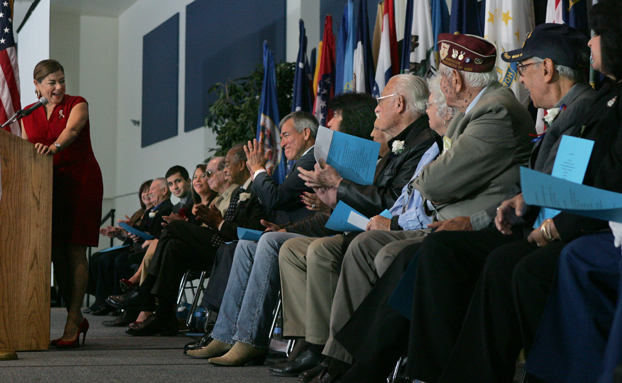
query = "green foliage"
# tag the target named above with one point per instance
(233, 116)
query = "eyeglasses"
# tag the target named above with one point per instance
(383, 97)
(521, 67)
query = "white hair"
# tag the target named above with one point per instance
(414, 90)
(442, 110)
(471, 79)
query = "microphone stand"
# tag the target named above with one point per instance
(18, 115)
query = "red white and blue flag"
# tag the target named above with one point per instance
(388, 61)
(9, 76)
(326, 74)
(269, 117)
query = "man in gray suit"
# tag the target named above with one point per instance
(484, 146)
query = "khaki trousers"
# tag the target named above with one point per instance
(367, 258)
(309, 270)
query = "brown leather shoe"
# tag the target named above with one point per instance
(308, 375)
(213, 349)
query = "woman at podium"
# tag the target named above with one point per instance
(61, 129)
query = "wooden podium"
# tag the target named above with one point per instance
(25, 245)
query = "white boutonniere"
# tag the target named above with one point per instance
(551, 114)
(152, 214)
(397, 147)
(244, 197)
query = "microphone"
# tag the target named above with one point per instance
(42, 101)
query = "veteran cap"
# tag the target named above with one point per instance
(466, 52)
(559, 42)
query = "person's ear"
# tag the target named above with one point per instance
(547, 69)
(457, 82)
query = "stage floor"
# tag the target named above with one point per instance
(110, 355)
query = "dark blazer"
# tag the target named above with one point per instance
(248, 214)
(155, 225)
(187, 207)
(602, 125)
(282, 203)
(392, 172)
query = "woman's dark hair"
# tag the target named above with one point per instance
(606, 22)
(145, 185)
(357, 112)
(195, 196)
(46, 67)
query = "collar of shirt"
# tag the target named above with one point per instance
(475, 100)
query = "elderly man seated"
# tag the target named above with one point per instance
(486, 143)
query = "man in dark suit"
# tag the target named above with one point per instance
(184, 246)
(179, 184)
(282, 203)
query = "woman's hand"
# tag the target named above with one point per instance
(43, 149)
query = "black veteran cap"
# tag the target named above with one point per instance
(559, 42)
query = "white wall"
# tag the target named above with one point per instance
(33, 46)
(134, 165)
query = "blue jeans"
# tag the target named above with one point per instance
(252, 292)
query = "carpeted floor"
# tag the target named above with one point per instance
(112, 356)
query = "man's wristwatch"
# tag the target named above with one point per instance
(57, 147)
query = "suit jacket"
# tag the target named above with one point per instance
(187, 207)
(248, 214)
(482, 166)
(602, 125)
(282, 203)
(155, 225)
(577, 101)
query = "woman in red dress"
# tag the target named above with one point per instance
(61, 129)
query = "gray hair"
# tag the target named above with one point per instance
(238, 153)
(443, 111)
(414, 90)
(302, 120)
(564, 71)
(472, 79)
(164, 184)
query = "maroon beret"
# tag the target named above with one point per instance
(466, 52)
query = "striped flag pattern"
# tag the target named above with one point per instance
(9, 76)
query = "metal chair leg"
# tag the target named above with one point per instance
(275, 316)
(197, 295)
(182, 287)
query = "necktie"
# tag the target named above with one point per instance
(229, 214)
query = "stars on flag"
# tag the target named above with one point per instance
(492, 17)
(506, 17)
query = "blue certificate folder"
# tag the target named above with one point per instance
(541, 189)
(353, 157)
(345, 218)
(114, 248)
(249, 234)
(131, 230)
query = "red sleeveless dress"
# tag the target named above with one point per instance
(78, 185)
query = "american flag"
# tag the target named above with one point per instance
(9, 76)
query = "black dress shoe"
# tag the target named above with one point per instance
(155, 325)
(308, 375)
(195, 345)
(102, 310)
(125, 319)
(306, 360)
(132, 299)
